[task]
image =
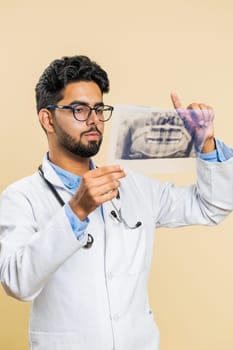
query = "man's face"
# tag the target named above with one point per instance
(81, 138)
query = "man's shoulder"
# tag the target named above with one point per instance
(24, 184)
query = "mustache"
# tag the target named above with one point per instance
(93, 128)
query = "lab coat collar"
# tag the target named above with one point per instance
(50, 174)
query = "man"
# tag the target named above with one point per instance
(77, 240)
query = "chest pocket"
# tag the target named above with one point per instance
(126, 249)
(134, 250)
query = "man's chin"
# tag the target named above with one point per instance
(91, 150)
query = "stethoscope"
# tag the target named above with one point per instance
(115, 214)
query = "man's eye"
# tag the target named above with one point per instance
(99, 110)
(79, 110)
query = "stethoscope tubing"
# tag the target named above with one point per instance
(90, 239)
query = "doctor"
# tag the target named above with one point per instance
(77, 240)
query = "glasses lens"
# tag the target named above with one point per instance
(82, 112)
(104, 113)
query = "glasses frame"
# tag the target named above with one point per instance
(73, 107)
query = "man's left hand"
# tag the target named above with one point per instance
(198, 120)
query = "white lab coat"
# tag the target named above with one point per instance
(96, 299)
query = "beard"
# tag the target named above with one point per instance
(78, 148)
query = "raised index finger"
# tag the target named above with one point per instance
(176, 101)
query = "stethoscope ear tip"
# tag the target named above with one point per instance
(138, 224)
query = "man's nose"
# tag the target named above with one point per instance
(92, 117)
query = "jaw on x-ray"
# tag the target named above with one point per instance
(145, 133)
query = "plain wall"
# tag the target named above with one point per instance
(149, 48)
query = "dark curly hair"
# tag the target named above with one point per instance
(60, 72)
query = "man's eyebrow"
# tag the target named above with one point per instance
(82, 103)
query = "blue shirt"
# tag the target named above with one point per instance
(72, 182)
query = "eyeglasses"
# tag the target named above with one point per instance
(83, 112)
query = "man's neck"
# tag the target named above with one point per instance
(74, 164)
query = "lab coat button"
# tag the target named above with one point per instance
(116, 317)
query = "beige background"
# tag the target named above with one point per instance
(149, 48)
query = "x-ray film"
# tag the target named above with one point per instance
(150, 140)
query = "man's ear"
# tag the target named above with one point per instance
(46, 120)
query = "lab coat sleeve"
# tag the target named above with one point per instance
(29, 255)
(206, 203)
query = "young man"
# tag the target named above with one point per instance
(77, 240)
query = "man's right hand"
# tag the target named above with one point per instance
(97, 186)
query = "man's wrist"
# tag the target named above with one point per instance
(209, 146)
(77, 225)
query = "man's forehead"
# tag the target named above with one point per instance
(82, 91)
